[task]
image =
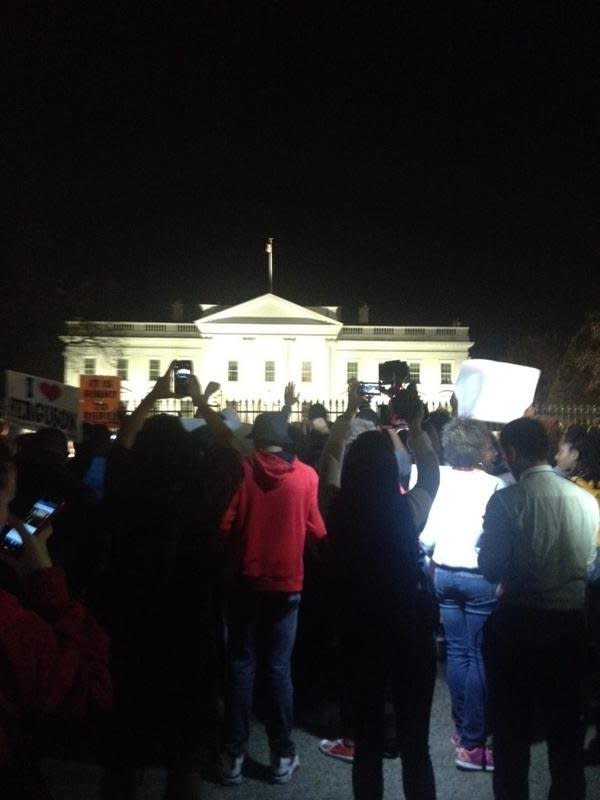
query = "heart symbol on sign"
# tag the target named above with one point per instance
(51, 391)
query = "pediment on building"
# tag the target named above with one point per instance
(268, 309)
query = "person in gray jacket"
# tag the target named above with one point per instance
(538, 542)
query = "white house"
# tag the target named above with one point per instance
(253, 349)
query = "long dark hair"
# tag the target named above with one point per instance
(374, 540)
(588, 462)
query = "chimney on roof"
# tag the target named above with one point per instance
(177, 311)
(363, 314)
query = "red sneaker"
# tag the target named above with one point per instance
(455, 739)
(489, 759)
(470, 759)
(336, 748)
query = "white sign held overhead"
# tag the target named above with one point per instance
(494, 391)
(32, 402)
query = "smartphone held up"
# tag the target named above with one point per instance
(37, 518)
(182, 372)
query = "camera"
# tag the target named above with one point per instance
(394, 376)
(394, 373)
(394, 381)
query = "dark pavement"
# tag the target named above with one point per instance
(324, 778)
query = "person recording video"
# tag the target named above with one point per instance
(55, 656)
(388, 615)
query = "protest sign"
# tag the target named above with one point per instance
(100, 395)
(32, 402)
(494, 391)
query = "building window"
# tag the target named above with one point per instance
(352, 371)
(123, 369)
(306, 372)
(415, 372)
(269, 371)
(232, 371)
(153, 369)
(89, 366)
(445, 373)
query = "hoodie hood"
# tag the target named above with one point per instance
(269, 469)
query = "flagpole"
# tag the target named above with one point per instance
(269, 250)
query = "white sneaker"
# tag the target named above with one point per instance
(230, 769)
(282, 769)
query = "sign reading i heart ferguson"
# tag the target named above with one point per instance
(32, 402)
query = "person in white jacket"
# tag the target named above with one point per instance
(466, 598)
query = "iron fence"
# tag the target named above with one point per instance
(248, 410)
(576, 414)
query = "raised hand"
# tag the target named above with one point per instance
(414, 409)
(354, 396)
(212, 387)
(195, 390)
(162, 389)
(290, 397)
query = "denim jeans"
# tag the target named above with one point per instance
(265, 621)
(466, 601)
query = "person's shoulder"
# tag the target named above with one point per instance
(506, 495)
(498, 482)
(305, 470)
(248, 463)
(303, 474)
(570, 486)
(582, 492)
(588, 486)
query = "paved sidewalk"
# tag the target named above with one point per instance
(322, 778)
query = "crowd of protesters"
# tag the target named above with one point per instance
(191, 559)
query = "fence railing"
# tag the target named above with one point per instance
(248, 410)
(576, 414)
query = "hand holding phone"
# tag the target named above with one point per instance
(369, 389)
(33, 554)
(163, 388)
(37, 518)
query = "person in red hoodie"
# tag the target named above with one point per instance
(267, 522)
(55, 660)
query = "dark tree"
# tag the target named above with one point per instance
(578, 378)
(543, 351)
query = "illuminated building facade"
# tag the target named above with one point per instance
(253, 349)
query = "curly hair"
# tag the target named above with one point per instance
(465, 442)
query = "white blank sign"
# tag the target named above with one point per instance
(494, 391)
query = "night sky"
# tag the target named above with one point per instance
(436, 162)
